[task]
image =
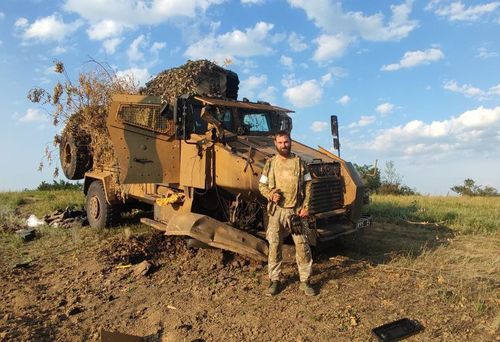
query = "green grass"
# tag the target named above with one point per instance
(465, 215)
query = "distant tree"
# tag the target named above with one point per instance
(469, 188)
(59, 185)
(392, 182)
(370, 176)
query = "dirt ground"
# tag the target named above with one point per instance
(74, 283)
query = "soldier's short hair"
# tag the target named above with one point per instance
(282, 133)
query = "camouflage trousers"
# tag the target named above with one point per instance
(276, 232)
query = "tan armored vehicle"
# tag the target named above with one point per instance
(198, 161)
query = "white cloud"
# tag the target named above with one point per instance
(138, 75)
(484, 53)
(255, 88)
(34, 115)
(138, 12)
(471, 91)
(134, 52)
(457, 11)
(329, 16)
(385, 108)
(363, 121)
(252, 42)
(51, 28)
(286, 61)
(110, 45)
(306, 94)
(414, 58)
(319, 126)
(2, 15)
(157, 46)
(344, 100)
(296, 42)
(105, 29)
(475, 130)
(330, 46)
(252, 2)
(326, 78)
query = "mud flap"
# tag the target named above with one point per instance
(214, 233)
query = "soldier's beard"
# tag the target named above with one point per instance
(284, 152)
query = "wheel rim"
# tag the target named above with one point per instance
(94, 207)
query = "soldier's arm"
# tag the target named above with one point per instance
(307, 187)
(264, 180)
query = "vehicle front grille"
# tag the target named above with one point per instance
(326, 194)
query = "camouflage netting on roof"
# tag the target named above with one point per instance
(200, 77)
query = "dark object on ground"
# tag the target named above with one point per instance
(66, 218)
(23, 264)
(397, 330)
(75, 154)
(26, 234)
(108, 336)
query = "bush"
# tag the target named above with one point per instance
(59, 185)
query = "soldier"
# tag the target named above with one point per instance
(285, 182)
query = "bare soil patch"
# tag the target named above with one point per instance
(82, 280)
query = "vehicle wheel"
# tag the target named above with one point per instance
(100, 213)
(75, 155)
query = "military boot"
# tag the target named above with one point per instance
(307, 288)
(273, 288)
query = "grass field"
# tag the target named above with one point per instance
(464, 215)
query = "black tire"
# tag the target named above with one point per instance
(75, 155)
(100, 213)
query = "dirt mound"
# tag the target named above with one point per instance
(132, 250)
(200, 77)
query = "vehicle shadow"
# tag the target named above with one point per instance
(377, 244)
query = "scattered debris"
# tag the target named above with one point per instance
(34, 221)
(23, 264)
(66, 218)
(26, 234)
(73, 311)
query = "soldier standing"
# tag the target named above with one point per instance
(285, 182)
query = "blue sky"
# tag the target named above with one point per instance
(415, 82)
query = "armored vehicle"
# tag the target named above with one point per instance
(198, 161)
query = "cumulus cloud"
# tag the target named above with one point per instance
(471, 91)
(137, 75)
(414, 58)
(476, 130)
(330, 17)
(326, 78)
(51, 28)
(253, 41)
(110, 45)
(134, 51)
(256, 88)
(34, 115)
(385, 108)
(296, 42)
(457, 11)
(319, 126)
(344, 100)
(330, 46)
(305, 94)
(105, 29)
(365, 120)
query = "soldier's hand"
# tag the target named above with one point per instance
(276, 197)
(304, 212)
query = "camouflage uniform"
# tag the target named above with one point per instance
(291, 176)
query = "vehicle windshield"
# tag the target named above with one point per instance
(257, 122)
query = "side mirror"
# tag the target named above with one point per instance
(334, 125)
